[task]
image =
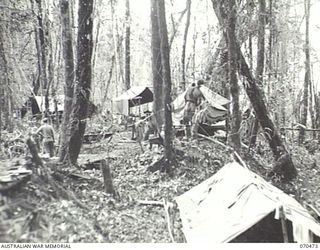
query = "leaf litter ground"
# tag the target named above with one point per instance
(35, 213)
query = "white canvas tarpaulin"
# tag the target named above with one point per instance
(233, 200)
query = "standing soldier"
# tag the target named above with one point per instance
(193, 99)
(47, 134)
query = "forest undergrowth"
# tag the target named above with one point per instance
(76, 208)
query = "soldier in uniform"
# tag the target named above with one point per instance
(193, 99)
(47, 134)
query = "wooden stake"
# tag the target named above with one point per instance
(284, 225)
(169, 221)
(34, 152)
(107, 179)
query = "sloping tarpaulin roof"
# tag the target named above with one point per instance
(232, 201)
(134, 96)
(213, 111)
(41, 103)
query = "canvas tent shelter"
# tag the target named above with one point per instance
(233, 201)
(213, 112)
(134, 96)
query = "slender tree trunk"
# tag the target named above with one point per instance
(270, 47)
(307, 77)
(260, 62)
(3, 80)
(109, 80)
(185, 36)
(37, 81)
(127, 46)
(175, 26)
(43, 53)
(317, 114)
(312, 108)
(5, 50)
(166, 73)
(68, 56)
(116, 43)
(50, 71)
(214, 58)
(250, 52)
(83, 78)
(233, 81)
(158, 102)
(194, 51)
(255, 95)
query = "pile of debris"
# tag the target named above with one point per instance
(13, 174)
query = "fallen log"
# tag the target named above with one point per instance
(153, 203)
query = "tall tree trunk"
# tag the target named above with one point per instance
(185, 36)
(166, 73)
(43, 52)
(250, 52)
(50, 63)
(117, 43)
(175, 26)
(5, 50)
(260, 62)
(127, 46)
(83, 78)
(108, 81)
(270, 47)
(37, 78)
(194, 51)
(233, 81)
(312, 107)
(307, 77)
(214, 58)
(68, 56)
(3, 79)
(158, 103)
(317, 113)
(255, 95)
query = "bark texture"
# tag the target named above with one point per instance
(69, 77)
(83, 78)
(166, 74)
(233, 81)
(127, 46)
(158, 103)
(307, 81)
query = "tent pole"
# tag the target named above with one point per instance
(284, 225)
